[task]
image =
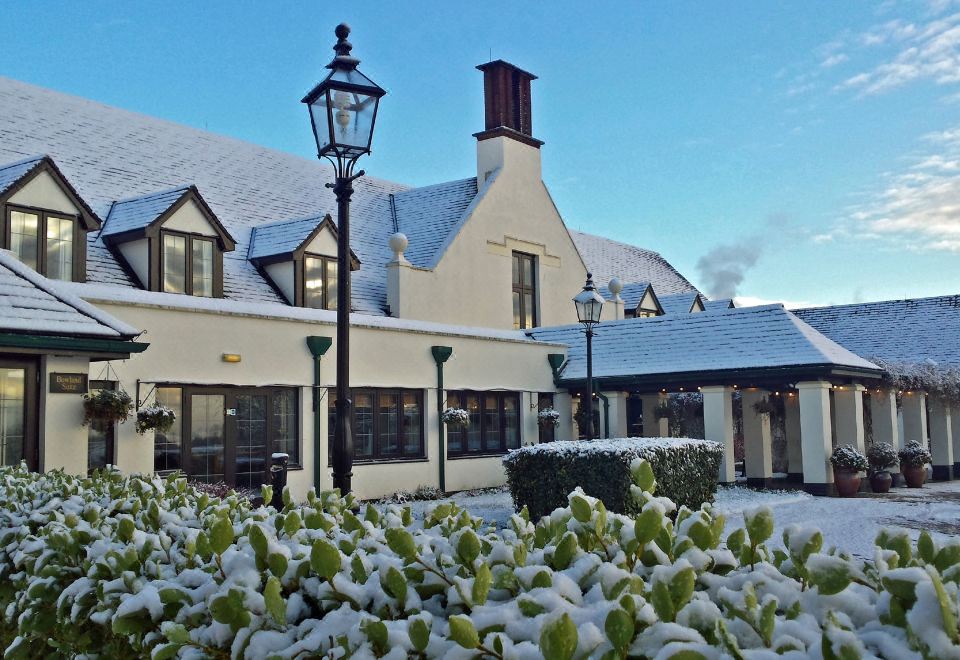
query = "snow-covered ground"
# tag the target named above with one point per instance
(850, 524)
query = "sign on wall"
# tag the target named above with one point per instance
(62, 383)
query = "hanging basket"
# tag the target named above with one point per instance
(548, 418)
(456, 418)
(155, 418)
(662, 411)
(108, 406)
(764, 407)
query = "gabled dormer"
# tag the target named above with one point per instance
(170, 241)
(43, 220)
(299, 258)
(639, 300)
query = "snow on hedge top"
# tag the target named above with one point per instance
(627, 446)
(762, 337)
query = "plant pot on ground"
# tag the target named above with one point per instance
(882, 457)
(913, 463)
(848, 463)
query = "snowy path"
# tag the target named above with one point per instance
(850, 524)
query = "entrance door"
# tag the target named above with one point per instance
(250, 440)
(207, 438)
(18, 412)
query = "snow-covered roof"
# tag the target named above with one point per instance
(632, 294)
(138, 212)
(911, 331)
(607, 259)
(281, 237)
(32, 304)
(719, 304)
(13, 172)
(752, 338)
(678, 303)
(428, 215)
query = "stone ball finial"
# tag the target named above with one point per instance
(399, 243)
(615, 286)
(342, 31)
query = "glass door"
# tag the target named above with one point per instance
(18, 412)
(207, 437)
(249, 440)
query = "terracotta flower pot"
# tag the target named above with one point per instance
(914, 476)
(848, 482)
(881, 481)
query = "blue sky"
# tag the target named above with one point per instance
(798, 151)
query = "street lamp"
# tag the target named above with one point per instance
(343, 110)
(589, 303)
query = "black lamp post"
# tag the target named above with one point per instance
(343, 110)
(589, 303)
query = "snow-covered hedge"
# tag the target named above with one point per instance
(542, 476)
(123, 567)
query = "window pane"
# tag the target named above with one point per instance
(331, 284)
(12, 414)
(24, 229)
(59, 248)
(547, 433)
(206, 437)
(528, 310)
(455, 436)
(202, 267)
(251, 440)
(411, 424)
(166, 445)
(388, 438)
(363, 432)
(99, 434)
(528, 271)
(473, 431)
(516, 269)
(313, 282)
(491, 422)
(511, 421)
(174, 264)
(516, 311)
(285, 425)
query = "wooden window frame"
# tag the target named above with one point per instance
(522, 288)
(502, 395)
(31, 394)
(546, 434)
(79, 238)
(111, 429)
(300, 273)
(378, 456)
(217, 291)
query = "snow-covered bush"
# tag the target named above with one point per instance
(456, 417)
(132, 567)
(848, 458)
(548, 417)
(541, 477)
(155, 418)
(882, 456)
(107, 406)
(914, 454)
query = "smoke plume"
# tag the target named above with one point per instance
(723, 268)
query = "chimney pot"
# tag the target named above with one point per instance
(507, 105)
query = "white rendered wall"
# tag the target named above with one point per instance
(137, 255)
(815, 433)
(281, 274)
(883, 415)
(718, 426)
(189, 218)
(848, 406)
(63, 436)
(44, 192)
(914, 409)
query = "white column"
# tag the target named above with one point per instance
(815, 436)
(848, 401)
(718, 426)
(617, 417)
(563, 404)
(652, 427)
(791, 423)
(757, 440)
(941, 439)
(915, 417)
(883, 414)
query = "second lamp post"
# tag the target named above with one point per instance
(343, 110)
(589, 304)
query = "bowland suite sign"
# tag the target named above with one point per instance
(64, 383)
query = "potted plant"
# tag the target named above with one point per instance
(882, 456)
(107, 406)
(456, 418)
(913, 461)
(662, 411)
(548, 418)
(847, 465)
(155, 418)
(764, 407)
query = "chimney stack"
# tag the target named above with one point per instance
(506, 91)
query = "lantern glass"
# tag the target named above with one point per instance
(589, 305)
(343, 109)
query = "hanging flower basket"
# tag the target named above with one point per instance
(581, 418)
(155, 418)
(764, 407)
(457, 418)
(548, 418)
(662, 411)
(107, 406)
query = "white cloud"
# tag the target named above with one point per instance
(834, 60)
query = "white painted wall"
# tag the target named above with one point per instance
(137, 255)
(64, 437)
(282, 276)
(323, 243)
(190, 219)
(44, 192)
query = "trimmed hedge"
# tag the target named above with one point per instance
(542, 476)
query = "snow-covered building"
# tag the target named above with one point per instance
(208, 266)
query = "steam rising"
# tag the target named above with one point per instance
(723, 268)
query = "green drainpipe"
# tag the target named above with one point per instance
(556, 361)
(318, 346)
(440, 355)
(606, 413)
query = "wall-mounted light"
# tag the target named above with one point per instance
(232, 358)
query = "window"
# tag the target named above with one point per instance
(387, 424)
(43, 241)
(547, 433)
(100, 435)
(524, 290)
(494, 423)
(193, 276)
(319, 282)
(167, 444)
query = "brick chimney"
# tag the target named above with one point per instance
(508, 121)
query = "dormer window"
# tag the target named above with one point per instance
(170, 241)
(44, 222)
(299, 258)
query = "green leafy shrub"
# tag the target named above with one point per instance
(112, 566)
(541, 477)
(882, 456)
(848, 458)
(914, 454)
